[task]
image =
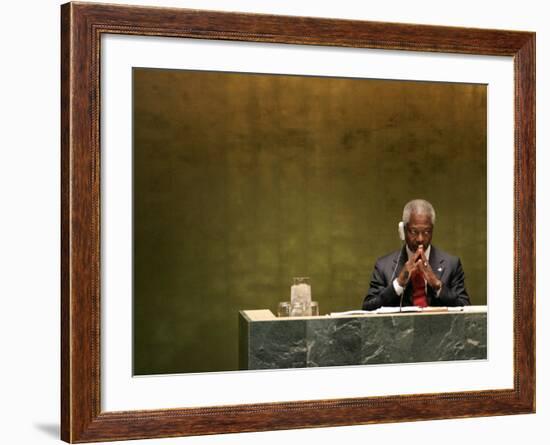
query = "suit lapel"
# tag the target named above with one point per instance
(437, 263)
(402, 257)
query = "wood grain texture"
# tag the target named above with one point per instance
(65, 214)
(82, 26)
(525, 249)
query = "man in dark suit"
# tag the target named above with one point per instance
(419, 274)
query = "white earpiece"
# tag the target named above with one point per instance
(401, 230)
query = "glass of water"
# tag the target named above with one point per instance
(314, 308)
(283, 309)
(297, 309)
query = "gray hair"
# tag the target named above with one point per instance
(420, 207)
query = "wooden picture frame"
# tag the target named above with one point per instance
(82, 26)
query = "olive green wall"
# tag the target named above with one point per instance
(242, 181)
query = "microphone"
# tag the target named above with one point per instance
(401, 233)
(402, 294)
(393, 276)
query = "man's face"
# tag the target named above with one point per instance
(418, 232)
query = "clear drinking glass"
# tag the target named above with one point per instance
(283, 309)
(297, 309)
(314, 308)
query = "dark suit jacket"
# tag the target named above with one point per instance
(447, 268)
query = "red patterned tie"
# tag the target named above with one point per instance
(419, 290)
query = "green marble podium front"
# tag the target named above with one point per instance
(268, 342)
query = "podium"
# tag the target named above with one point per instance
(268, 342)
